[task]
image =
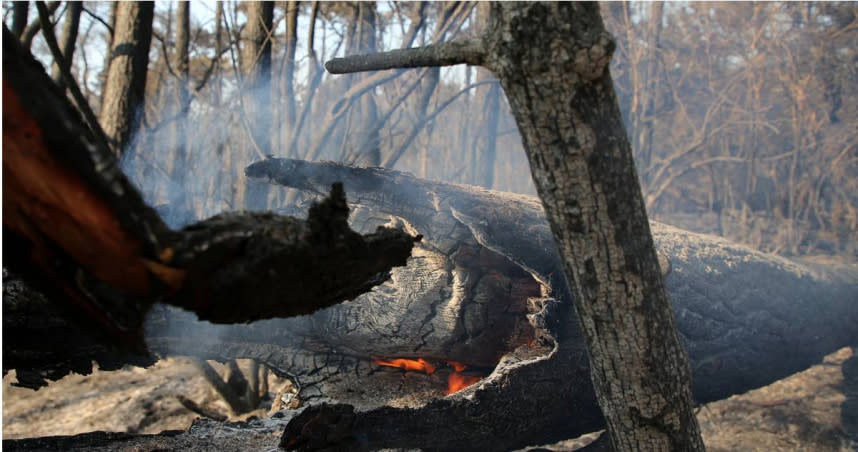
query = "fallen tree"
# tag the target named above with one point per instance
(746, 318)
(76, 229)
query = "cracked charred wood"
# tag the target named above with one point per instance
(77, 230)
(43, 342)
(279, 266)
(746, 318)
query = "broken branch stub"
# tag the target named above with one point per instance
(281, 266)
(467, 51)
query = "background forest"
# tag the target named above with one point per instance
(742, 116)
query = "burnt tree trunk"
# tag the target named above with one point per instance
(125, 88)
(552, 61)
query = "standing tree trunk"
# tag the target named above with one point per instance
(552, 61)
(124, 92)
(178, 136)
(289, 66)
(485, 152)
(256, 66)
(584, 173)
(67, 41)
(369, 151)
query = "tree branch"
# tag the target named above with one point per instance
(68, 79)
(33, 29)
(467, 51)
(98, 18)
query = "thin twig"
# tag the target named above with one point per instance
(396, 155)
(99, 19)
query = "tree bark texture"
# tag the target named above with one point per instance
(562, 97)
(74, 226)
(68, 41)
(125, 88)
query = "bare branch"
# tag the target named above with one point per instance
(397, 154)
(33, 29)
(467, 51)
(68, 79)
(98, 18)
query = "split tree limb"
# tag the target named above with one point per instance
(75, 226)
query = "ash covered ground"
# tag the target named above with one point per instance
(813, 410)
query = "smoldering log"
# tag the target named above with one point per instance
(76, 229)
(740, 311)
(746, 318)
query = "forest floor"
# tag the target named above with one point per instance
(813, 410)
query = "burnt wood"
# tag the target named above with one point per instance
(746, 318)
(76, 229)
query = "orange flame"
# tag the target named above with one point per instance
(419, 364)
(457, 382)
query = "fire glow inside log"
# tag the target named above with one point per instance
(455, 381)
(420, 364)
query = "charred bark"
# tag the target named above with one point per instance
(743, 316)
(77, 229)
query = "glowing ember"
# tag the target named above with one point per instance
(457, 382)
(456, 365)
(419, 364)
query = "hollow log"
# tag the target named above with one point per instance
(746, 318)
(77, 230)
